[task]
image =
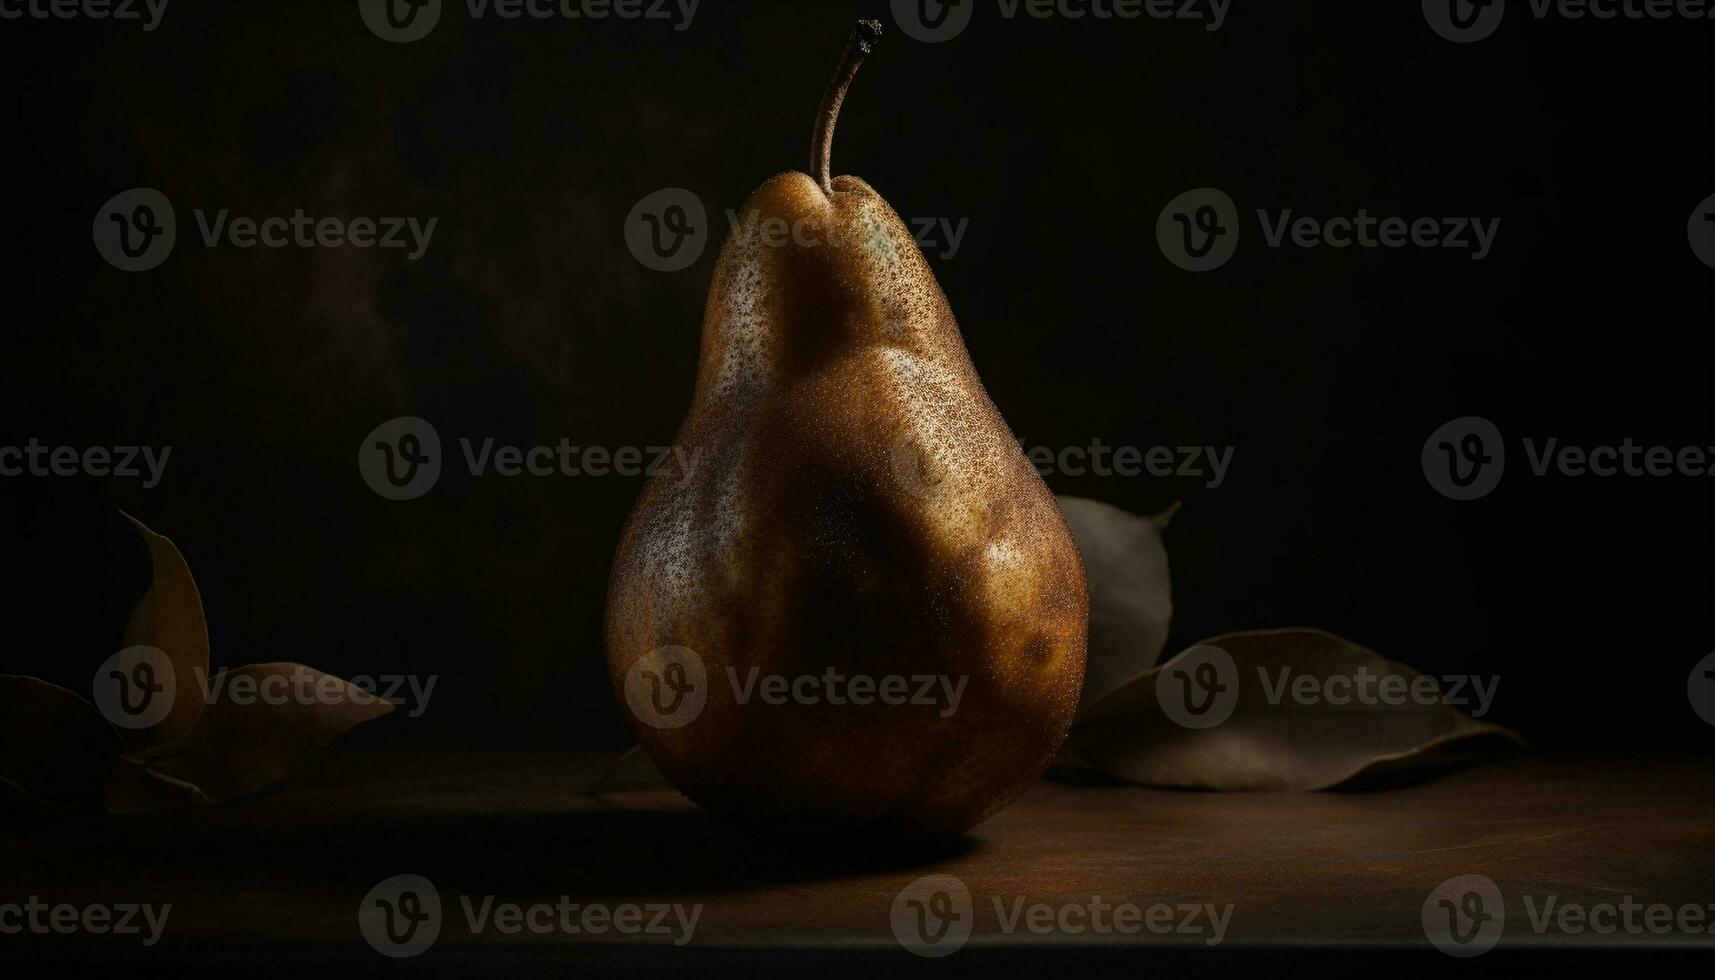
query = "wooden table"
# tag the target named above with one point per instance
(1311, 880)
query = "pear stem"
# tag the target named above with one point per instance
(862, 42)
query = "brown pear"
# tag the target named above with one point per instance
(856, 606)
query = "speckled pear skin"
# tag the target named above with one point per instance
(857, 504)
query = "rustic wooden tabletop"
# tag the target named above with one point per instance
(1530, 858)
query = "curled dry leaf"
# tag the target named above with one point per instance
(1131, 595)
(169, 617)
(134, 787)
(54, 746)
(16, 799)
(1275, 737)
(261, 722)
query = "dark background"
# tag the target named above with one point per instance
(529, 320)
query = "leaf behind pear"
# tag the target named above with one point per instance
(1272, 740)
(244, 743)
(54, 746)
(1131, 593)
(169, 617)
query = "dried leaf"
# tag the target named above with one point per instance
(54, 745)
(1263, 712)
(17, 799)
(260, 723)
(169, 618)
(135, 787)
(1131, 595)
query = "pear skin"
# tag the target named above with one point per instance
(859, 522)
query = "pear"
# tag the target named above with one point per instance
(861, 609)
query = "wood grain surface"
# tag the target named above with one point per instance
(278, 880)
